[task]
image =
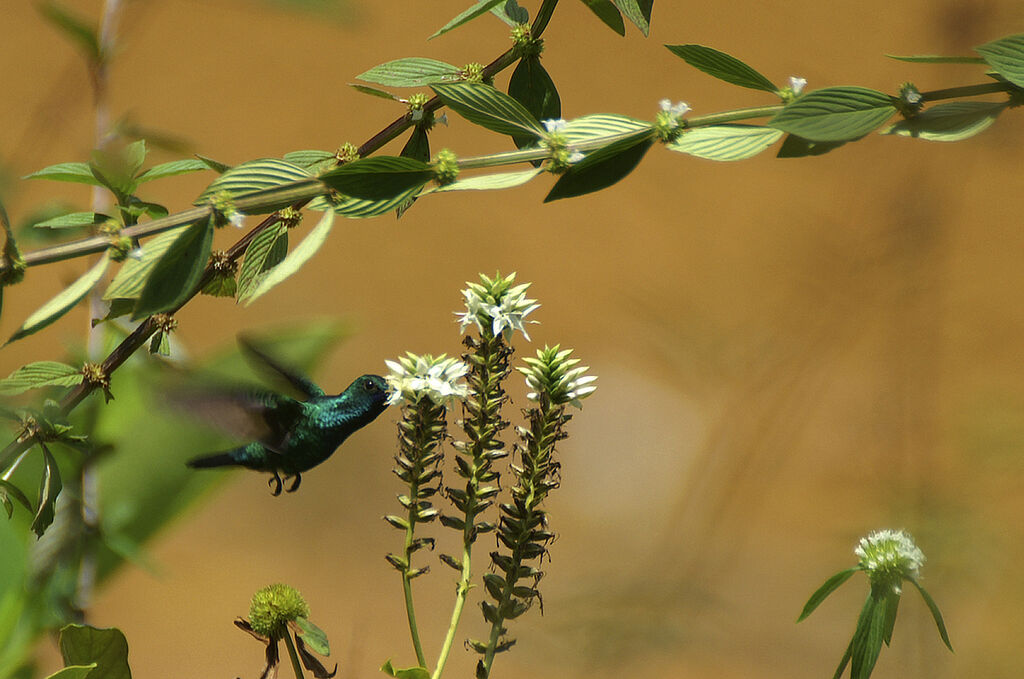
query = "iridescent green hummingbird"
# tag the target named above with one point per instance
(290, 436)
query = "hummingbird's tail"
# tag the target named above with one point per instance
(225, 459)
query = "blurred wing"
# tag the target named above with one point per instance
(297, 381)
(246, 414)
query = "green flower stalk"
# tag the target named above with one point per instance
(556, 381)
(498, 308)
(279, 613)
(889, 558)
(424, 385)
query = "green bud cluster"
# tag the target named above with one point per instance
(446, 167)
(473, 72)
(273, 607)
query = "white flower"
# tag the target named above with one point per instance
(237, 219)
(889, 556)
(135, 253)
(912, 96)
(553, 125)
(575, 156)
(679, 109)
(497, 305)
(413, 378)
(796, 84)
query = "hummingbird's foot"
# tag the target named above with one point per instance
(295, 484)
(275, 482)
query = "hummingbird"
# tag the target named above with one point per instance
(290, 436)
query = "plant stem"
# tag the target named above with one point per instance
(294, 655)
(968, 91)
(410, 609)
(460, 602)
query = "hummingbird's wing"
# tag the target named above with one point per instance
(249, 415)
(297, 381)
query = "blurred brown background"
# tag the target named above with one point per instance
(791, 352)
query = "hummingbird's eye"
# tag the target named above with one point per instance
(369, 385)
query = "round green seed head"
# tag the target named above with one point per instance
(273, 607)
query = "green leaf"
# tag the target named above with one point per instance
(358, 208)
(78, 173)
(407, 673)
(602, 168)
(935, 59)
(8, 489)
(532, 87)
(936, 613)
(73, 672)
(374, 92)
(411, 72)
(952, 121)
(40, 374)
(63, 302)
(71, 220)
(487, 107)
(490, 182)
(637, 11)
(822, 592)
(378, 177)
(216, 166)
(253, 176)
(511, 13)
(313, 160)
(1006, 57)
(83, 645)
(835, 113)
(172, 169)
(161, 344)
(313, 636)
(798, 147)
(722, 66)
(868, 639)
(177, 272)
(608, 13)
(130, 280)
(597, 125)
(481, 7)
(116, 168)
(264, 252)
(119, 306)
(418, 146)
(726, 142)
(49, 489)
(296, 258)
(75, 28)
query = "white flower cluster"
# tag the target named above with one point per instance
(560, 377)
(413, 378)
(797, 85)
(497, 305)
(889, 554)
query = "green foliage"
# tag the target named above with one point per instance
(292, 262)
(726, 142)
(722, 66)
(379, 178)
(485, 106)
(953, 121)
(411, 72)
(174, 276)
(480, 8)
(252, 177)
(608, 13)
(406, 673)
(63, 302)
(835, 113)
(532, 87)
(603, 167)
(40, 374)
(105, 649)
(1006, 56)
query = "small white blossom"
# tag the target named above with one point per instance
(237, 219)
(493, 304)
(889, 556)
(912, 96)
(575, 156)
(135, 253)
(553, 125)
(796, 84)
(678, 109)
(413, 378)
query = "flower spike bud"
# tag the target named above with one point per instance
(496, 306)
(273, 607)
(560, 378)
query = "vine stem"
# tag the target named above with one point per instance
(293, 654)
(410, 608)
